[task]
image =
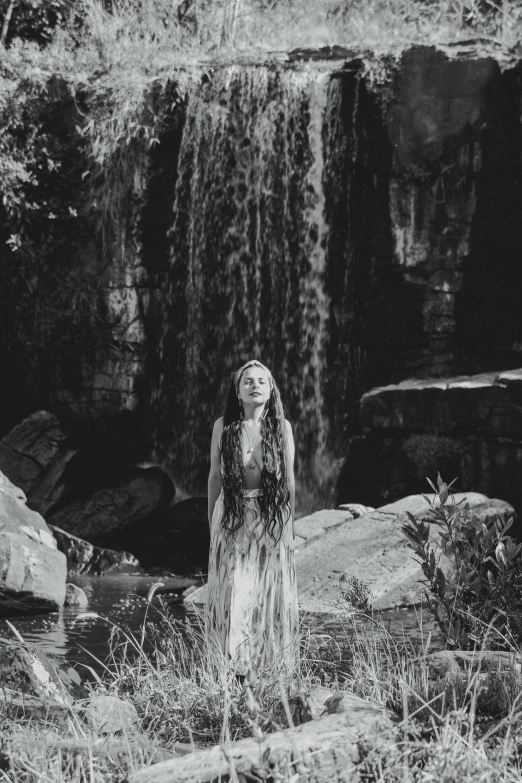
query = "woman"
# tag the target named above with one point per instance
(252, 608)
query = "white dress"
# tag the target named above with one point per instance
(252, 611)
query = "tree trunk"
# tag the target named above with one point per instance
(7, 20)
(322, 751)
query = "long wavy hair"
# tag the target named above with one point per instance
(274, 500)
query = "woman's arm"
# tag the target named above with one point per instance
(214, 476)
(290, 468)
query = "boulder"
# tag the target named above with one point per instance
(175, 537)
(34, 456)
(27, 670)
(32, 570)
(488, 404)
(484, 508)
(130, 502)
(465, 427)
(85, 558)
(11, 489)
(75, 596)
(372, 548)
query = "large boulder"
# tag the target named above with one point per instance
(175, 537)
(141, 493)
(85, 558)
(489, 404)
(371, 548)
(34, 456)
(32, 570)
(465, 427)
(374, 549)
(76, 596)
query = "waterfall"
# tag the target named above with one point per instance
(249, 256)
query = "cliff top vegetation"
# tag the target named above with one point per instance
(115, 57)
(212, 26)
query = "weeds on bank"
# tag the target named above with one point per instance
(462, 726)
(184, 690)
(457, 726)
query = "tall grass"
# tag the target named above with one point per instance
(463, 726)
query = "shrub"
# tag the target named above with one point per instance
(476, 597)
(356, 593)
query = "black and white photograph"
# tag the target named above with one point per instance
(261, 391)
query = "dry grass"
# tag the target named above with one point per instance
(446, 728)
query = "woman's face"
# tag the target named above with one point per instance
(254, 386)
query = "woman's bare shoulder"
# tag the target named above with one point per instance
(288, 426)
(218, 425)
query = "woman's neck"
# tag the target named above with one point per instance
(253, 416)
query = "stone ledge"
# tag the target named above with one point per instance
(487, 404)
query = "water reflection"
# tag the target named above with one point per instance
(119, 600)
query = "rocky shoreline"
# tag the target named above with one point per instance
(135, 510)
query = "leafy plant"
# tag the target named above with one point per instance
(356, 593)
(472, 573)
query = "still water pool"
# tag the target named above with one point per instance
(122, 601)
(118, 600)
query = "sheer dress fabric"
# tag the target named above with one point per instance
(252, 611)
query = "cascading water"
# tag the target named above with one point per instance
(249, 260)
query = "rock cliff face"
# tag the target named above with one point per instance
(388, 250)
(88, 489)
(466, 427)
(34, 456)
